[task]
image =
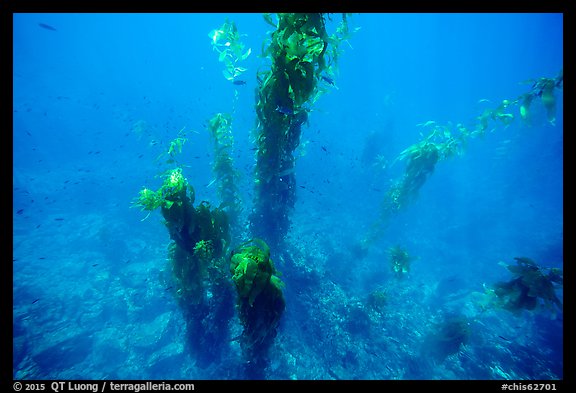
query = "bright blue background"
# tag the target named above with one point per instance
(89, 290)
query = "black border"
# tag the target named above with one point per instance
(354, 6)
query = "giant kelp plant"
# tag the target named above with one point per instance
(200, 239)
(260, 303)
(226, 41)
(302, 54)
(445, 141)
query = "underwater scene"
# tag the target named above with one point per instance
(248, 196)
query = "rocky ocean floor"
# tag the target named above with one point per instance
(93, 300)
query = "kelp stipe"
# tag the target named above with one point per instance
(302, 54)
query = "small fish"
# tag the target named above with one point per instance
(284, 110)
(324, 148)
(328, 80)
(20, 211)
(504, 338)
(239, 82)
(35, 300)
(59, 219)
(94, 265)
(47, 27)
(42, 258)
(168, 288)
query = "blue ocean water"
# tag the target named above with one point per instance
(97, 98)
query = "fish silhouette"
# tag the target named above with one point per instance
(47, 27)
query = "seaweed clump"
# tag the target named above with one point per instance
(260, 303)
(422, 159)
(532, 286)
(399, 260)
(447, 337)
(378, 300)
(200, 238)
(231, 51)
